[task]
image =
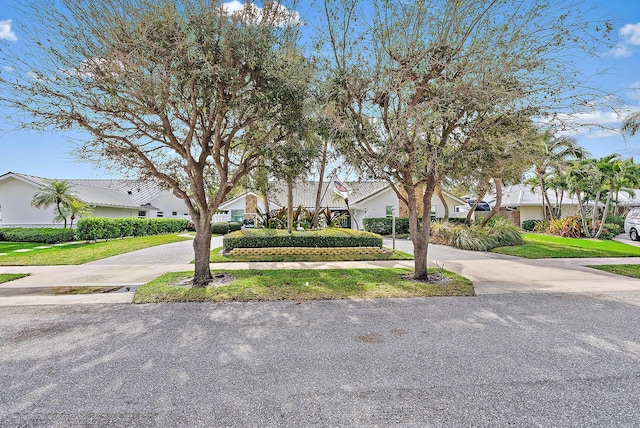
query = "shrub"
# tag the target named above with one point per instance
(499, 233)
(330, 237)
(93, 228)
(382, 225)
(610, 231)
(615, 219)
(530, 225)
(47, 235)
(223, 227)
(504, 232)
(568, 227)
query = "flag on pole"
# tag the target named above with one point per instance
(340, 188)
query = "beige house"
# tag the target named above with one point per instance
(373, 199)
(528, 203)
(106, 198)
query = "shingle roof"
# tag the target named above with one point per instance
(110, 193)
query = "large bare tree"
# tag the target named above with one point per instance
(184, 91)
(417, 83)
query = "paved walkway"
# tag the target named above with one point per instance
(490, 273)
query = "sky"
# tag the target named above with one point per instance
(51, 154)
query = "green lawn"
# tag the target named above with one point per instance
(216, 257)
(301, 284)
(627, 270)
(544, 246)
(6, 277)
(76, 253)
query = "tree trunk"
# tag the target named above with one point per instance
(323, 165)
(583, 215)
(496, 208)
(482, 191)
(289, 205)
(444, 202)
(604, 215)
(420, 244)
(202, 250)
(60, 212)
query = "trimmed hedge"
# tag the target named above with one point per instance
(92, 228)
(223, 227)
(330, 237)
(382, 225)
(46, 235)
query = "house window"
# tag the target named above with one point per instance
(142, 213)
(160, 214)
(174, 213)
(389, 210)
(237, 216)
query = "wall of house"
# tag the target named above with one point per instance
(376, 206)
(113, 212)
(15, 206)
(169, 206)
(530, 213)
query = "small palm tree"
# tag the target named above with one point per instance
(57, 193)
(77, 209)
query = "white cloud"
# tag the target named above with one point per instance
(631, 34)
(8, 68)
(5, 31)
(594, 124)
(629, 37)
(251, 13)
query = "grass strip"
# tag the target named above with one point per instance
(6, 277)
(77, 253)
(216, 257)
(632, 271)
(302, 284)
(545, 247)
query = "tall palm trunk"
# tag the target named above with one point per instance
(323, 165)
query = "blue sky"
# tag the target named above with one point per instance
(50, 154)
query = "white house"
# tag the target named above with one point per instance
(528, 203)
(107, 198)
(373, 199)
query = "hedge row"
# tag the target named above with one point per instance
(47, 235)
(330, 237)
(92, 228)
(382, 225)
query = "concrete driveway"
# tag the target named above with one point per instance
(569, 360)
(490, 273)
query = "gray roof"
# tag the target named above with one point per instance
(305, 194)
(521, 195)
(133, 194)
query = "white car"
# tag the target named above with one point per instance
(632, 224)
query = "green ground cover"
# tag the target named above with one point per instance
(217, 257)
(76, 253)
(6, 277)
(632, 271)
(301, 284)
(545, 246)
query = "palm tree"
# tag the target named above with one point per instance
(58, 193)
(77, 209)
(632, 123)
(555, 155)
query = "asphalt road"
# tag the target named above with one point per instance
(505, 360)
